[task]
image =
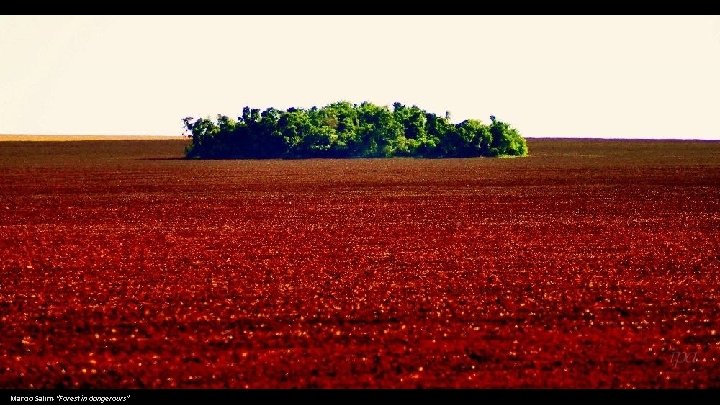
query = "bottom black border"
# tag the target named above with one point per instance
(133, 396)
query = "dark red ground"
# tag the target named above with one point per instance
(588, 264)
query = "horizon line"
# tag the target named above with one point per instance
(524, 136)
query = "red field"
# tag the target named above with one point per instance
(588, 264)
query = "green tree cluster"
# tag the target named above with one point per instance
(343, 129)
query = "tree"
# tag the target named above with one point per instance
(343, 129)
(506, 140)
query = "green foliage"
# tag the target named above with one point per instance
(348, 130)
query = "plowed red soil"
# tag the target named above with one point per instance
(587, 264)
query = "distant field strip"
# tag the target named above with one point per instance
(70, 138)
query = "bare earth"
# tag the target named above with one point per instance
(588, 264)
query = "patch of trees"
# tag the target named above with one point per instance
(343, 129)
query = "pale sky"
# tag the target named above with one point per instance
(563, 76)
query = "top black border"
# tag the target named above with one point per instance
(366, 7)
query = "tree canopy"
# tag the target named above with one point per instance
(343, 129)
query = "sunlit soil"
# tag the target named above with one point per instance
(587, 264)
